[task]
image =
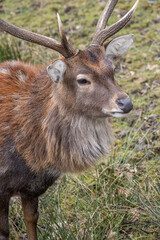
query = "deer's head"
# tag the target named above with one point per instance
(85, 79)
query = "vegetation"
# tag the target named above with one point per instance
(119, 198)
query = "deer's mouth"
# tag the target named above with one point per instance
(116, 114)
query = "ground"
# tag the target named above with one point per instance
(119, 198)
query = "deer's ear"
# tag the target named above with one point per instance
(56, 70)
(118, 46)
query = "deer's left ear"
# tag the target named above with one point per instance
(118, 46)
(56, 70)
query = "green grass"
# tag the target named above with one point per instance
(119, 198)
(9, 50)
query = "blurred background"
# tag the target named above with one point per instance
(120, 197)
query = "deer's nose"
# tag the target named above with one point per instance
(125, 104)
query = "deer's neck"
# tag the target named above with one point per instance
(74, 141)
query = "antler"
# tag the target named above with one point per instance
(64, 47)
(102, 34)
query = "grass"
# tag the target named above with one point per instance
(8, 50)
(119, 198)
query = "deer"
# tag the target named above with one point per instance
(55, 120)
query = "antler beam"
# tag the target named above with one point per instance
(102, 34)
(66, 50)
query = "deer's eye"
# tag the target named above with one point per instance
(83, 81)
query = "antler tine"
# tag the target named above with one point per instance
(105, 16)
(64, 42)
(33, 37)
(110, 31)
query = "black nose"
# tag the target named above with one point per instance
(125, 104)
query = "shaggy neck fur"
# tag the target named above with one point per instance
(75, 142)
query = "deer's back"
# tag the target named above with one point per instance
(16, 177)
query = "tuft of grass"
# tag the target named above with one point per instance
(9, 50)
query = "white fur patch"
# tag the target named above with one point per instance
(3, 170)
(13, 62)
(119, 115)
(17, 108)
(21, 76)
(15, 96)
(4, 71)
(7, 127)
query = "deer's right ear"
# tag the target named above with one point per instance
(56, 70)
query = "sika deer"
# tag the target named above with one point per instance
(55, 120)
